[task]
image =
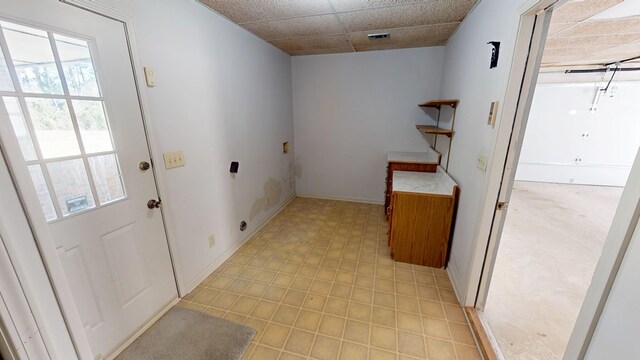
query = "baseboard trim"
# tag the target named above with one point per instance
(483, 336)
(144, 328)
(227, 254)
(340, 198)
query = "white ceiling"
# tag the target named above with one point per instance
(305, 27)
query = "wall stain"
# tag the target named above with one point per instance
(272, 195)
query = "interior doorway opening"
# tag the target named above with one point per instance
(578, 150)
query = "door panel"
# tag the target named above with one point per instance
(74, 135)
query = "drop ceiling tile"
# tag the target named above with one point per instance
(297, 27)
(242, 11)
(622, 52)
(599, 27)
(348, 5)
(321, 51)
(556, 28)
(313, 43)
(419, 36)
(426, 13)
(574, 52)
(579, 10)
(590, 41)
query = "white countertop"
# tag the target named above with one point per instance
(438, 183)
(429, 157)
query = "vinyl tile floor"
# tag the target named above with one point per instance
(317, 282)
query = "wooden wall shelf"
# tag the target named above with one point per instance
(434, 130)
(438, 103)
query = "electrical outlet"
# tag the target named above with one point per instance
(482, 162)
(173, 159)
(212, 240)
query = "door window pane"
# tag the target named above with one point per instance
(107, 178)
(5, 79)
(20, 128)
(93, 126)
(53, 126)
(43, 192)
(32, 57)
(77, 66)
(71, 186)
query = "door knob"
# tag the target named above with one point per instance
(144, 166)
(154, 204)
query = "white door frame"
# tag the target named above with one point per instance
(43, 239)
(538, 21)
(508, 142)
(520, 85)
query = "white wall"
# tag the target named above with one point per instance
(467, 77)
(616, 335)
(351, 109)
(222, 95)
(554, 136)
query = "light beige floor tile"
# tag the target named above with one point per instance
(285, 315)
(384, 316)
(341, 291)
(360, 311)
(461, 333)
(264, 310)
(377, 354)
(411, 344)
(299, 342)
(325, 348)
(409, 322)
(308, 320)
(264, 353)
(294, 298)
(440, 349)
(244, 305)
(436, 328)
(336, 306)
(275, 335)
(384, 338)
(331, 325)
(352, 351)
(454, 313)
(357, 331)
(362, 295)
(314, 302)
(317, 282)
(225, 301)
(432, 309)
(465, 352)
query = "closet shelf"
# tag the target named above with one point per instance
(438, 103)
(430, 129)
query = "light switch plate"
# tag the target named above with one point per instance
(150, 76)
(482, 162)
(173, 159)
(493, 113)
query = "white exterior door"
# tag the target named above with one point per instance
(71, 126)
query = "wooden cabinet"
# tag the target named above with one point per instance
(422, 213)
(408, 161)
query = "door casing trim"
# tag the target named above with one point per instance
(618, 239)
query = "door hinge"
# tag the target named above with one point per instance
(502, 205)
